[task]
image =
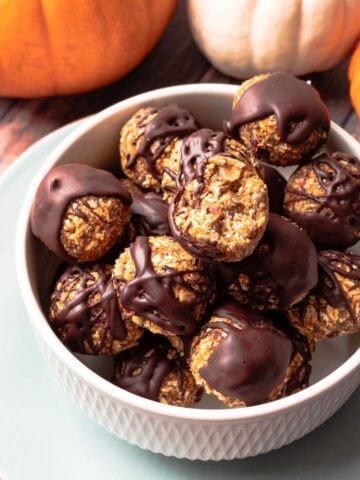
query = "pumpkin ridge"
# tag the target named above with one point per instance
(49, 48)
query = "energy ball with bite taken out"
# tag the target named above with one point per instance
(279, 118)
(163, 288)
(333, 307)
(150, 146)
(84, 312)
(280, 272)
(80, 212)
(221, 213)
(323, 197)
(244, 359)
(154, 370)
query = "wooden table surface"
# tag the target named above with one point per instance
(175, 60)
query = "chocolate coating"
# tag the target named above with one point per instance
(80, 316)
(289, 99)
(348, 266)
(251, 360)
(335, 220)
(276, 184)
(286, 254)
(150, 295)
(171, 121)
(142, 370)
(150, 214)
(195, 150)
(58, 188)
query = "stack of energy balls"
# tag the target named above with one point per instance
(202, 268)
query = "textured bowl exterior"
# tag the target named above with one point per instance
(173, 431)
(198, 440)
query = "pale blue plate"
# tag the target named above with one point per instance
(43, 436)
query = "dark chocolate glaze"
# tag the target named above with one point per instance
(142, 370)
(289, 99)
(150, 295)
(347, 265)
(171, 121)
(59, 187)
(286, 253)
(335, 222)
(186, 344)
(195, 151)
(299, 377)
(79, 317)
(150, 214)
(276, 184)
(251, 360)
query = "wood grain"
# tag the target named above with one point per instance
(175, 60)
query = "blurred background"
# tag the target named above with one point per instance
(58, 49)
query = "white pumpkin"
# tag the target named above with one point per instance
(246, 37)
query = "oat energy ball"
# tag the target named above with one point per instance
(276, 184)
(280, 272)
(153, 370)
(203, 144)
(161, 287)
(333, 307)
(279, 118)
(84, 312)
(323, 197)
(79, 212)
(245, 359)
(220, 214)
(150, 145)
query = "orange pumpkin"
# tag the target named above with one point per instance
(354, 77)
(51, 47)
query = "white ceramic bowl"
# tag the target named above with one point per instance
(208, 431)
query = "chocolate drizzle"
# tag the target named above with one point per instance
(195, 151)
(80, 316)
(347, 265)
(251, 360)
(142, 370)
(289, 99)
(171, 121)
(335, 222)
(286, 253)
(150, 295)
(59, 187)
(150, 214)
(183, 239)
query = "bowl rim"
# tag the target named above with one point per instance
(95, 381)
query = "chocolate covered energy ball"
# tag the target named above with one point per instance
(203, 144)
(279, 118)
(84, 312)
(280, 272)
(79, 212)
(150, 146)
(276, 184)
(245, 359)
(323, 197)
(221, 213)
(163, 288)
(333, 307)
(154, 370)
